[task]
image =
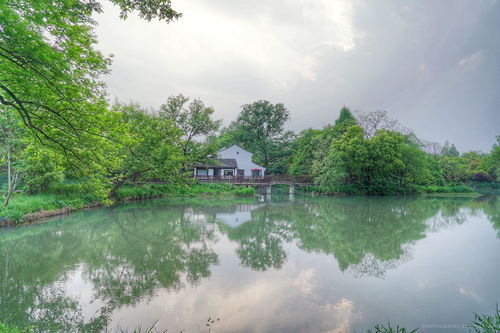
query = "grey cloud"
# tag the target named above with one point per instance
(433, 65)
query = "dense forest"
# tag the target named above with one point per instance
(59, 133)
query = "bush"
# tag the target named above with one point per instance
(167, 190)
(41, 169)
(8, 329)
(485, 323)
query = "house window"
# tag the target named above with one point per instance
(256, 173)
(202, 172)
(228, 172)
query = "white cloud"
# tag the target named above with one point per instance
(314, 56)
(207, 43)
(474, 59)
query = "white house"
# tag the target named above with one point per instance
(231, 161)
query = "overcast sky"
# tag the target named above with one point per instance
(433, 65)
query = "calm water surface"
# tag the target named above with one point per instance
(301, 265)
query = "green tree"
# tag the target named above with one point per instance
(453, 168)
(51, 73)
(195, 121)
(324, 140)
(42, 168)
(260, 128)
(494, 162)
(10, 148)
(304, 152)
(387, 163)
(449, 150)
(150, 147)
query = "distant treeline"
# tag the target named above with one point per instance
(363, 153)
(360, 153)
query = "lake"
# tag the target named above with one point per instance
(301, 264)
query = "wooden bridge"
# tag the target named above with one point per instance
(266, 181)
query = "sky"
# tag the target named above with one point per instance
(432, 65)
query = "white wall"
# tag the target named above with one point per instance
(243, 158)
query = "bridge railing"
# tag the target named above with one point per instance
(268, 179)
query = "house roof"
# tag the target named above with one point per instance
(229, 163)
(235, 145)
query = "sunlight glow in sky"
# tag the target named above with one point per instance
(433, 65)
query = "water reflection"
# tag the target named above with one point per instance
(126, 256)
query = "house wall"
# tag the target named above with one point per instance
(243, 158)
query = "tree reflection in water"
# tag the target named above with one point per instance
(127, 254)
(366, 235)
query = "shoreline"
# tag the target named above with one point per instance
(42, 215)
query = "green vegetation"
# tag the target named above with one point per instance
(157, 190)
(73, 197)
(484, 323)
(458, 188)
(366, 153)
(12, 329)
(57, 128)
(24, 204)
(390, 329)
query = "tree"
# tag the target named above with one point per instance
(371, 122)
(304, 152)
(324, 140)
(195, 121)
(449, 151)
(261, 128)
(51, 72)
(431, 148)
(387, 163)
(494, 164)
(10, 147)
(42, 168)
(150, 148)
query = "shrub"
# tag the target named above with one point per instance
(13, 329)
(486, 323)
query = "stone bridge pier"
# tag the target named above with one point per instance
(291, 188)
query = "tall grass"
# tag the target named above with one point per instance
(390, 329)
(431, 189)
(74, 197)
(483, 323)
(163, 190)
(23, 204)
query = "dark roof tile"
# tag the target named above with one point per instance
(229, 163)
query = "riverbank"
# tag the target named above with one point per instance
(446, 190)
(29, 208)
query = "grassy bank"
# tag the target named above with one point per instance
(350, 189)
(161, 190)
(63, 199)
(447, 189)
